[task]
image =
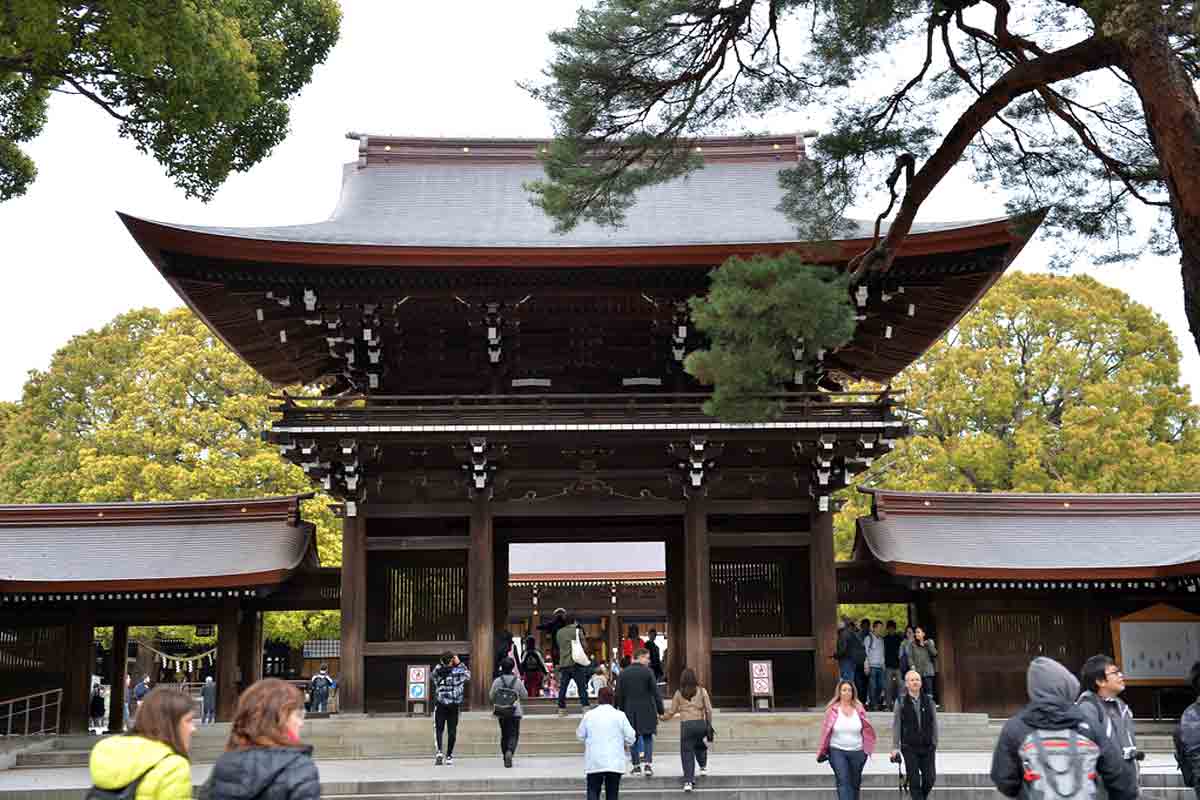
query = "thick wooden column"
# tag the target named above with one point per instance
(697, 583)
(823, 577)
(481, 612)
(120, 668)
(227, 660)
(249, 648)
(354, 613)
(948, 675)
(676, 627)
(500, 592)
(79, 661)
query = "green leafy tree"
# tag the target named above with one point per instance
(200, 85)
(153, 407)
(1088, 109)
(1051, 384)
(765, 317)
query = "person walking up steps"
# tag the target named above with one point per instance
(847, 740)
(604, 732)
(449, 679)
(153, 757)
(694, 708)
(569, 666)
(915, 736)
(638, 697)
(534, 671)
(506, 694)
(319, 686)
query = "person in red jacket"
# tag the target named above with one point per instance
(847, 740)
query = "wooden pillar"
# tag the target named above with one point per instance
(120, 668)
(481, 612)
(949, 677)
(77, 682)
(823, 582)
(354, 613)
(500, 579)
(249, 648)
(676, 629)
(697, 590)
(227, 660)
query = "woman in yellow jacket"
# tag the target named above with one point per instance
(154, 752)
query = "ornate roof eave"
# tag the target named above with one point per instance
(159, 511)
(158, 239)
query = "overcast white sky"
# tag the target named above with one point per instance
(408, 68)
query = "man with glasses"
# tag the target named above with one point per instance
(1103, 708)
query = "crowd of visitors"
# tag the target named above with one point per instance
(1076, 736)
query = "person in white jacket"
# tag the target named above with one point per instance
(605, 732)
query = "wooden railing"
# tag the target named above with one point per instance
(568, 408)
(32, 715)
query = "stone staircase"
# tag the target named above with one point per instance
(343, 736)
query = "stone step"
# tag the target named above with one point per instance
(741, 786)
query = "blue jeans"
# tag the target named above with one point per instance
(875, 687)
(846, 669)
(580, 676)
(642, 749)
(847, 771)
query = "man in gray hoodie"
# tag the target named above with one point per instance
(1052, 691)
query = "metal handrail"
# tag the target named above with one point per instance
(18, 715)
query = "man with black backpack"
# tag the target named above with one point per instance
(1102, 707)
(506, 694)
(1049, 751)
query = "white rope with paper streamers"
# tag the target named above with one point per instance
(184, 663)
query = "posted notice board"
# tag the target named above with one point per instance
(1157, 646)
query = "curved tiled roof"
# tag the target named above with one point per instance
(72, 547)
(1033, 535)
(486, 205)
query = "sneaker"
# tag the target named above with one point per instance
(637, 770)
(687, 787)
(648, 770)
(703, 771)
(438, 759)
(508, 760)
(449, 761)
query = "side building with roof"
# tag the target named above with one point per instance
(1001, 578)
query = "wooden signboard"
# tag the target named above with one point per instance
(1156, 646)
(418, 689)
(762, 686)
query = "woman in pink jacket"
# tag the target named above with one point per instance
(847, 740)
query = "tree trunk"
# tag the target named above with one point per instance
(1173, 118)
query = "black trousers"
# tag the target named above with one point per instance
(445, 716)
(510, 733)
(692, 747)
(922, 773)
(611, 781)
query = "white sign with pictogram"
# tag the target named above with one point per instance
(418, 688)
(762, 685)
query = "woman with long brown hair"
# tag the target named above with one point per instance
(153, 754)
(264, 757)
(694, 707)
(847, 740)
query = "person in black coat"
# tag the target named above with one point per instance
(656, 665)
(264, 758)
(638, 697)
(552, 626)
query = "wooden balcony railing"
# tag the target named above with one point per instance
(570, 408)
